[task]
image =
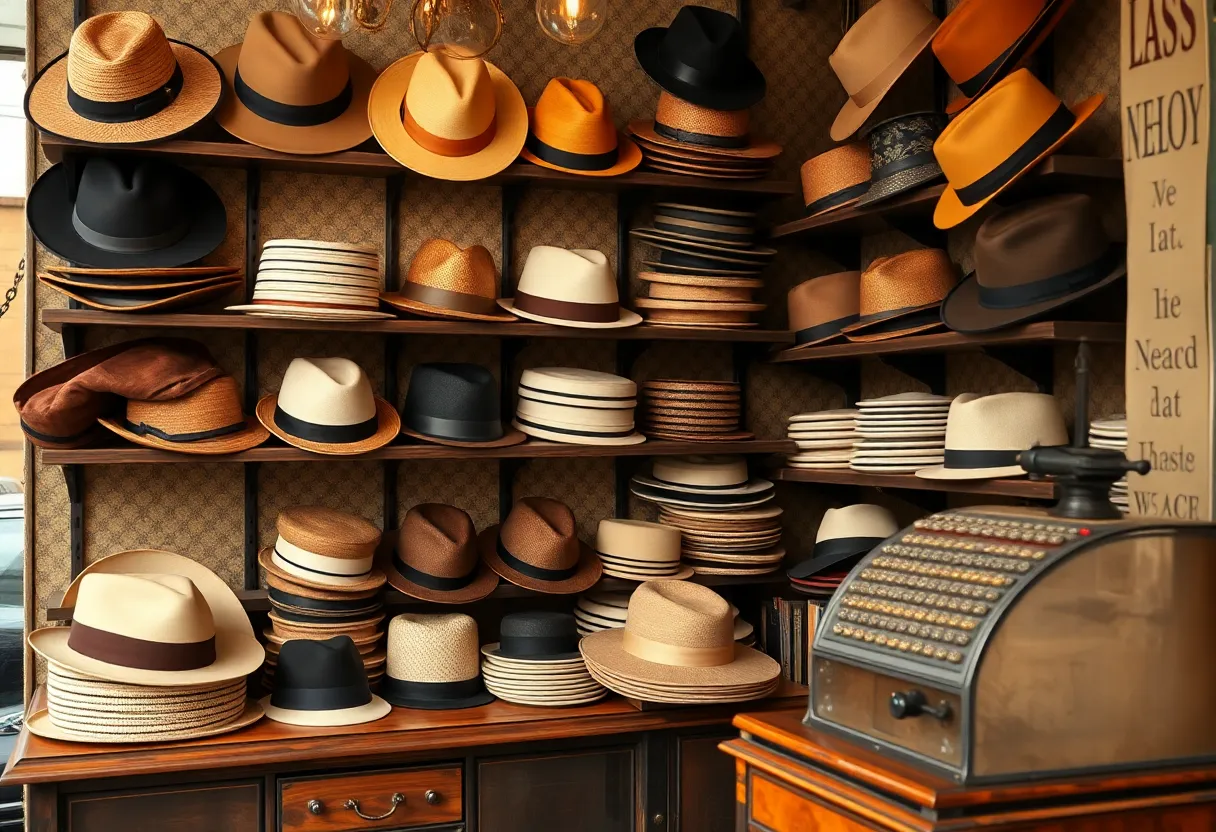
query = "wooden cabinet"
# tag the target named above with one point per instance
(201, 808)
(705, 785)
(400, 799)
(589, 791)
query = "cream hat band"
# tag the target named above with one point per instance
(309, 565)
(670, 654)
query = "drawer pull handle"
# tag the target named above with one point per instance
(432, 797)
(913, 703)
(397, 799)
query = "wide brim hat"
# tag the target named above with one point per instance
(755, 149)
(629, 156)
(626, 317)
(426, 310)
(606, 649)
(376, 709)
(941, 472)
(747, 89)
(587, 573)
(138, 299)
(372, 580)
(510, 436)
(50, 207)
(252, 435)
(388, 422)
(40, 725)
(474, 700)
(484, 582)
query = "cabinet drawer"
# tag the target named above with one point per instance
(320, 804)
(235, 807)
(774, 807)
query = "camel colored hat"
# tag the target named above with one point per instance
(436, 557)
(434, 663)
(901, 155)
(638, 550)
(208, 420)
(902, 294)
(874, 53)
(571, 130)
(836, 178)
(1031, 258)
(986, 434)
(569, 287)
(716, 135)
(323, 548)
(821, 307)
(846, 533)
(1004, 134)
(537, 547)
(322, 683)
(291, 91)
(326, 405)
(123, 82)
(449, 118)
(447, 281)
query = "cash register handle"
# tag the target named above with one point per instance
(913, 703)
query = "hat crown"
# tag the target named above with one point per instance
(903, 137)
(131, 198)
(833, 171)
(978, 32)
(213, 406)
(452, 391)
(708, 39)
(541, 532)
(908, 280)
(575, 381)
(701, 471)
(439, 540)
(327, 391)
(539, 624)
(825, 298)
(1004, 422)
(638, 540)
(442, 264)
(305, 664)
(164, 608)
(861, 520)
(680, 614)
(433, 648)
(1039, 239)
(451, 98)
(119, 56)
(572, 115)
(876, 39)
(286, 63)
(328, 532)
(577, 275)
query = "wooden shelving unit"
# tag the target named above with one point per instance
(1024, 488)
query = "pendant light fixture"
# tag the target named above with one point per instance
(572, 22)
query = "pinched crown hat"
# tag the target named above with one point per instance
(537, 547)
(985, 435)
(902, 294)
(436, 557)
(571, 130)
(322, 683)
(821, 307)
(446, 281)
(569, 287)
(322, 548)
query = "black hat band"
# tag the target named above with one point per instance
(329, 434)
(291, 599)
(823, 330)
(1050, 288)
(458, 430)
(916, 160)
(292, 115)
(975, 84)
(1050, 132)
(838, 198)
(844, 547)
(537, 572)
(128, 245)
(980, 459)
(527, 647)
(551, 429)
(568, 159)
(398, 689)
(131, 109)
(338, 698)
(723, 68)
(435, 582)
(703, 139)
(706, 233)
(148, 430)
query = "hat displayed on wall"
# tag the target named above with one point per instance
(126, 212)
(326, 405)
(569, 287)
(1032, 258)
(316, 280)
(901, 155)
(109, 294)
(1001, 136)
(291, 91)
(836, 178)
(536, 661)
(448, 118)
(986, 434)
(436, 557)
(433, 663)
(874, 53)
(446, 281)
(902, 295)
(579, 407)
(537, 547)
(820, 308)
(635, 550)
(325, 549)
(701, 481)
(845, 534)
(123, 82)
(457, 405)
(322, 683)
(571, 130)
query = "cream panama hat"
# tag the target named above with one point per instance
(434, 663)
(846, 533)
(636, 550)
(986, 434)
(569, 287)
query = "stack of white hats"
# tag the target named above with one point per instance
(1111, 433)
(635, 550)
(605, 610)
(579, 407)
(900, 434)
(320, 281)
(825, 439)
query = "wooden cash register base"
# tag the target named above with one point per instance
(789, 778)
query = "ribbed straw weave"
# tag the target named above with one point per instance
(680, 613)
(912, 279)
(841, 167)
(433, 648)
(541, 532)
(671, 291)
(118, 57)
(444, 265)
(217, 404)
(325, 531)
(677, 113)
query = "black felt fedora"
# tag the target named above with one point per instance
(536, 636)
(132, 213)
(322, 683)
(702, 58)
(456, 404)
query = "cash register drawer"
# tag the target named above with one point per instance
(320, 804)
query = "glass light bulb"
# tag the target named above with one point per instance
(458, 28)
(329, 19)
(571, 21)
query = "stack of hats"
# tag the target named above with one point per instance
(985, 435)
(1111, 433)
(697, 411)
(607, 609)
(578, 407)
(845, 534)
(536, 661)
(185, 647)
(317, 281)
(635, 550)
(824, 438)
(678, 646)
(433, 663)
(144, 290)
(323, 683)
(900, 434)
(322, 583)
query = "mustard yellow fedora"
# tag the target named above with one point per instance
(571, 130)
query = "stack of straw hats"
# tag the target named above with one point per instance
(317, 281)
(824, 438)
(696, 411)
(144, 289)
(578, 407)
(678, 646)
(900, 434)
(844, 536)
(635, 550)
(607, 609)
(181, 674)
(536, 661)
(322, 583)
(433, 663)
(1111, 433)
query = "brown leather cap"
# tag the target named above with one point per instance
(821, 307)
(537, 547)
(902, 294)
(437, 558)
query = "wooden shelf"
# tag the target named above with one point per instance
(1044, 332)
(1024, 488)
(1056, 172)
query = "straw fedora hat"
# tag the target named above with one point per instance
(640, 550)
(902, 294)
(901, 155)
(326, 405)
(135, 298)
(845, 533)
(456, 404)
(835, 179)
(448, 118)
(874, 53)
(123, 82)
(436, 557)
(433, 663)
(446, 281)
(1004, 134)
(569, 287)
(293, 92)
(716, 135)
(322, 684)
(324, 548)
(1032, 258)
(537, 547)
(821, 307)
(985, 435)
(208, 420)
(571, 130)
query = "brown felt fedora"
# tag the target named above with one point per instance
(447, 281)
(835, 179)
(820, 308)
(537, 547)
(902, 294)
(436, 557)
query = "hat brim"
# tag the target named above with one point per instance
(372, 580)
(478, 699)
(494, 652)
(251, 436)
(747, 89)
(292, 585)
(302, 313)
(40, 725)
(587, 573)
(510, 133)
(49, 211)
(605, 648)
(376, 709)
(941, 472)
(756, 149)
(510, 436)
(404, 304)
(628, 157)
(706, 281)
(46, 103)
(388, 425)
(627, 317)
(539, 432)
(485, 581)
(682, 573)
(851, 116)
(109, 300)
(902, 182)
(950, 210)
(507, 695)
(121, 284)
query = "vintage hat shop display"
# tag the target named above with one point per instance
(291, 91)
(537, 547)
(1033, 258)
(819, 309)
(433, 663)
(836, 178)
(569, 287)
(844, 536)
(122, 81)
(579, 407)
(448, 118)
(570, 129)
(901, 155)
(607, 610)
(322, 684)
(700, 482)
(985, 434)
(1111, 434)
(900, 434)
(447, 281)
(636, 550)
(1003, 134)
(145, 290)
(902, 295)
(825, 439)
(436, 557)
(457, 405)
(327, 406)
(125, 212)
(536, 662)
(692, 410)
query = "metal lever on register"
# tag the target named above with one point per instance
(913, 703)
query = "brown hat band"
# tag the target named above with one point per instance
(1050, 132)
(672, 654)
(126, 651)
(537, 572)
(448, 299)
(131, 109)
(435, 582)
(447, 147)
(595, 313)
(143, 429)
(1050, 288)
(292, 115)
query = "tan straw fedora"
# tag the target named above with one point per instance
(571, 130)
(448, 118)
(835, 179)
(714, 134)
(324, 548)
(986, 434)
(820, 308)
(537, 547)
(569, 287)
(434, 663)
(902, 294)
(447, 281)
(436, 557)
(291, 91)
(123, 82)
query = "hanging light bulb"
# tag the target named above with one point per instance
(458, 28)
(329, 19)
(571, 22)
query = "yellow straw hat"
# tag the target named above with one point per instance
(571, 130)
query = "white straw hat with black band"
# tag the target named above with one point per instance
(846, 533)
(985, 435)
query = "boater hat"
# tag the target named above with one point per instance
(537, 547)
(208, 420)
(902, 294)
(571, 130)
(569, 287)
(821, 307)
(325, 549)
(446, 281)
(1004, 134)
(456, 404)
(845, 533)
(901, 155)
(638, 551)
(322, 683)
(123, 82)
(291, 91)
(436, 557)
(433, 663)
(986, 434)
(458, 119)
(326, 405)
(835, 179)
